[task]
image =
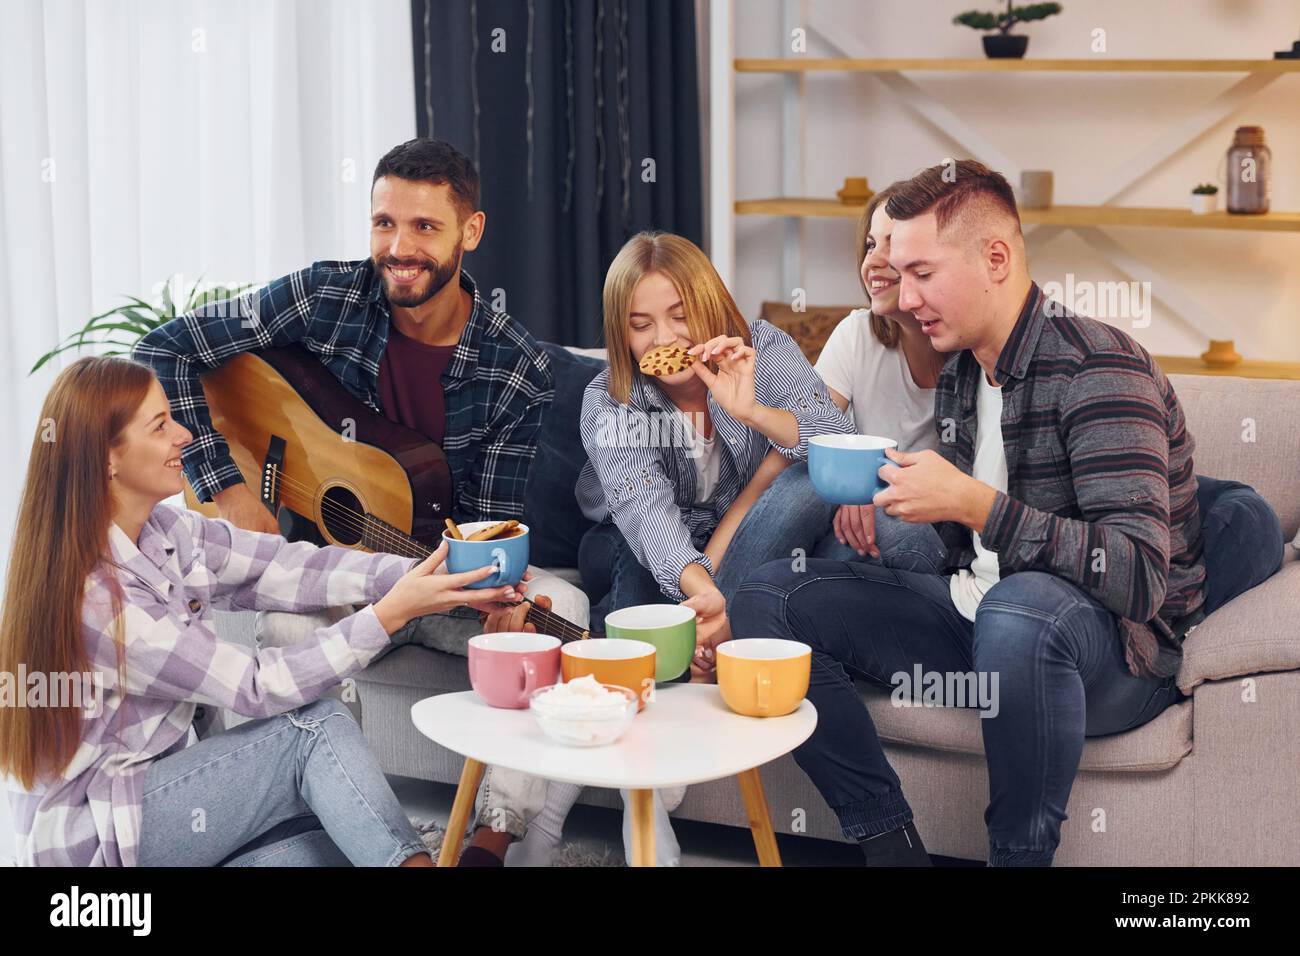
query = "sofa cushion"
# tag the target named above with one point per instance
(1251, 634)
(1247, 430)
(556, 524)
(1156, 745)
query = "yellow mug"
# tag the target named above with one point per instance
(763, 676)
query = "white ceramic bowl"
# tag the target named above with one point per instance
(588, 727)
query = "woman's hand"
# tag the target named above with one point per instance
(711, 629)
(855, 526)
(732, 386)
(426, 590)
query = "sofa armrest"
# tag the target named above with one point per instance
(1255, 632)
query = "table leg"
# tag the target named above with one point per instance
(643, 828)
(760, 820)
(471, 775)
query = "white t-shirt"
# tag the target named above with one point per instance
(704, 454)
(969, 585)
(883, 398)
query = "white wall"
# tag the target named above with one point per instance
(1081, 125)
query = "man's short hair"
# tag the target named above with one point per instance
(950, 188)
(434, 161)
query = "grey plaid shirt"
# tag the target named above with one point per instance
(1100, 485)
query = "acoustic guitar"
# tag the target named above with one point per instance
(329, 468)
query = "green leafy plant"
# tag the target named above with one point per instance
(121, 328)
(1003, 22)
(1205, 189)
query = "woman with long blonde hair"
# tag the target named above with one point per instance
(677, 460)
(110, 600)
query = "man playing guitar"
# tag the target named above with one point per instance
(407, 332)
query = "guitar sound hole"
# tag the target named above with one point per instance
(343, 515)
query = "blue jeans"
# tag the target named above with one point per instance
(1054, 652)
(789, 522)
(298, 789)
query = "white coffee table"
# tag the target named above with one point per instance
(686, 735)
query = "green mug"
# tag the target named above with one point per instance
(669, 627)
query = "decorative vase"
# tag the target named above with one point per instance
(1220, 354)
(1005, 46)
(855, 191)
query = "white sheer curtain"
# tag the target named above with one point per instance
(145, 139)
(148, 139)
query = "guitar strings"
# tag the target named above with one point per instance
(357, 521)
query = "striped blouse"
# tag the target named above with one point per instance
(184, 567)
(639, 471)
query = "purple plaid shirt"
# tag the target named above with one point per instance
(184, 567)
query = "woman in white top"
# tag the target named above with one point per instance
(880, 368)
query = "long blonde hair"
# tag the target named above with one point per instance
(61, 534)
(710, 310)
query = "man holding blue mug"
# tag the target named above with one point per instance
(1064, 495)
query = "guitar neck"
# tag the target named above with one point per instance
(548, 622)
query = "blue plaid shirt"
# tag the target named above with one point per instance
(496, 387)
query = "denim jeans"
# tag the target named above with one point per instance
(298, 789)
(1054, 651)
(789, 521)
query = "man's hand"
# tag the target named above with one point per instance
(238, 505)
(925, 487)
(510, 617)
(855, 526)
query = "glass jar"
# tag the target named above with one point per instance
(1249, 169)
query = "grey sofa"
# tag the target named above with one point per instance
(1211, 781)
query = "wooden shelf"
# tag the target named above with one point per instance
(1138, 216)
(1190, 365)
(980, 65)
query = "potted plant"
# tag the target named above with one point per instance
(1005, 44)
(117, 330)
(1205, 199)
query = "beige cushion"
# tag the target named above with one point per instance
(1255, 632)
(1157, 745)
(1217, 409)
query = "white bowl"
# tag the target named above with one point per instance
(593, 727)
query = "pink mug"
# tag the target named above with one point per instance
(505, 668)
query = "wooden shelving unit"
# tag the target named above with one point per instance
(1099, 64)
(1150, 216)
(1184, 365)
(1086, 219)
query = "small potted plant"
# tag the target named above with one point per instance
(1004, 44)
(1205, 199)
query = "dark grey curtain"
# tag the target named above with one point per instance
(560, 124)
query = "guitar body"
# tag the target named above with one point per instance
(305, 444)
(333, 470)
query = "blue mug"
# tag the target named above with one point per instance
(509, 556)
(843, 467)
